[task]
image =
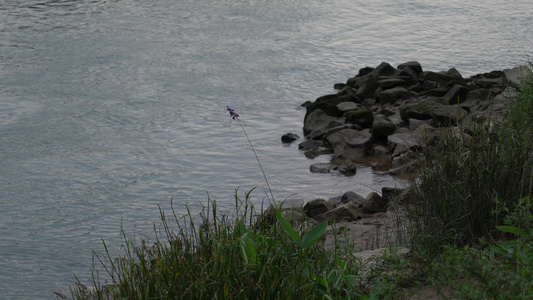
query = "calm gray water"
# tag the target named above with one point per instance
(109, 108)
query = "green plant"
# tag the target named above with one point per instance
(235, 116)
(452, 201)
(240, 254)
(503, 270)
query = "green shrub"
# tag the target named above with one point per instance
(452, 202)
(503, 270)
(227, 257)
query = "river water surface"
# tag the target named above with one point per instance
(109, 108)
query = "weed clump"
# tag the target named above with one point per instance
(453, 201)
(227, 257)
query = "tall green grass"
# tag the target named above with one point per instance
(227, 256)
(454, 200)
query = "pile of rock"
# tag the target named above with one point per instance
(353, 218)
(385, 114)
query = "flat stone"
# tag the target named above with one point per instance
(344, 213)
(289, 137)
(457, 94)
(393, 95)
(347, 106)
(321, 168)
(347, 168)
(515, 76)
(390, 83)
(425, 110)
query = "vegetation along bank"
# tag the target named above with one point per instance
(463, 229)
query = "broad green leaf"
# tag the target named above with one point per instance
(509, 229)
(314, 235)
(248, 248)
(350, 280)
(342, 265)
(295, 237)
(508, 245)
(240, 228)
(497, 250)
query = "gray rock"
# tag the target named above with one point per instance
(310, 145)
(478, 95)
(408, 170)
(346, 213)
(336, 201)
(442, 78)
(367, 102)
(384, 69)
(488, 83)
(350, 144)
(452, 72)
(351, 197)
(362, 117)
(317, 152)
(407, 72)
(332, 130)
(515, 76)
(367, 86)
(414, 140)
(381, 152)
(289, 137)
(321, 168)
(393, 95)
(347, 106)
(390, 83)
(457, 94)
(382, 127)
(347, 168)
(429, 85)
(402, 159)
(317, 207)
(444, 115)
(317, 119)
(390, 193)
(374, 203)
(413, 65)
(328, 104)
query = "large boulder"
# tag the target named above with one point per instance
(374, 203)
(443, 115)
(316, 120)
(390, 82)
(347, 168)
(362, 117)
(350, 144)
(317, 207)
(390, 193)
(289, 137)
(321, 168)
(413, 140)
(457, 94)
(393, 95)
(382, 127)
(412, 65)
(515, 76)
(346, 213)
(310, 145)
(384, 69)
(367, 86)
(352, 197)
(328, 104)
(443, 78)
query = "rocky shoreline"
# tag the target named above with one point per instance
(382, 117)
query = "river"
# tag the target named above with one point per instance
(111, 108)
